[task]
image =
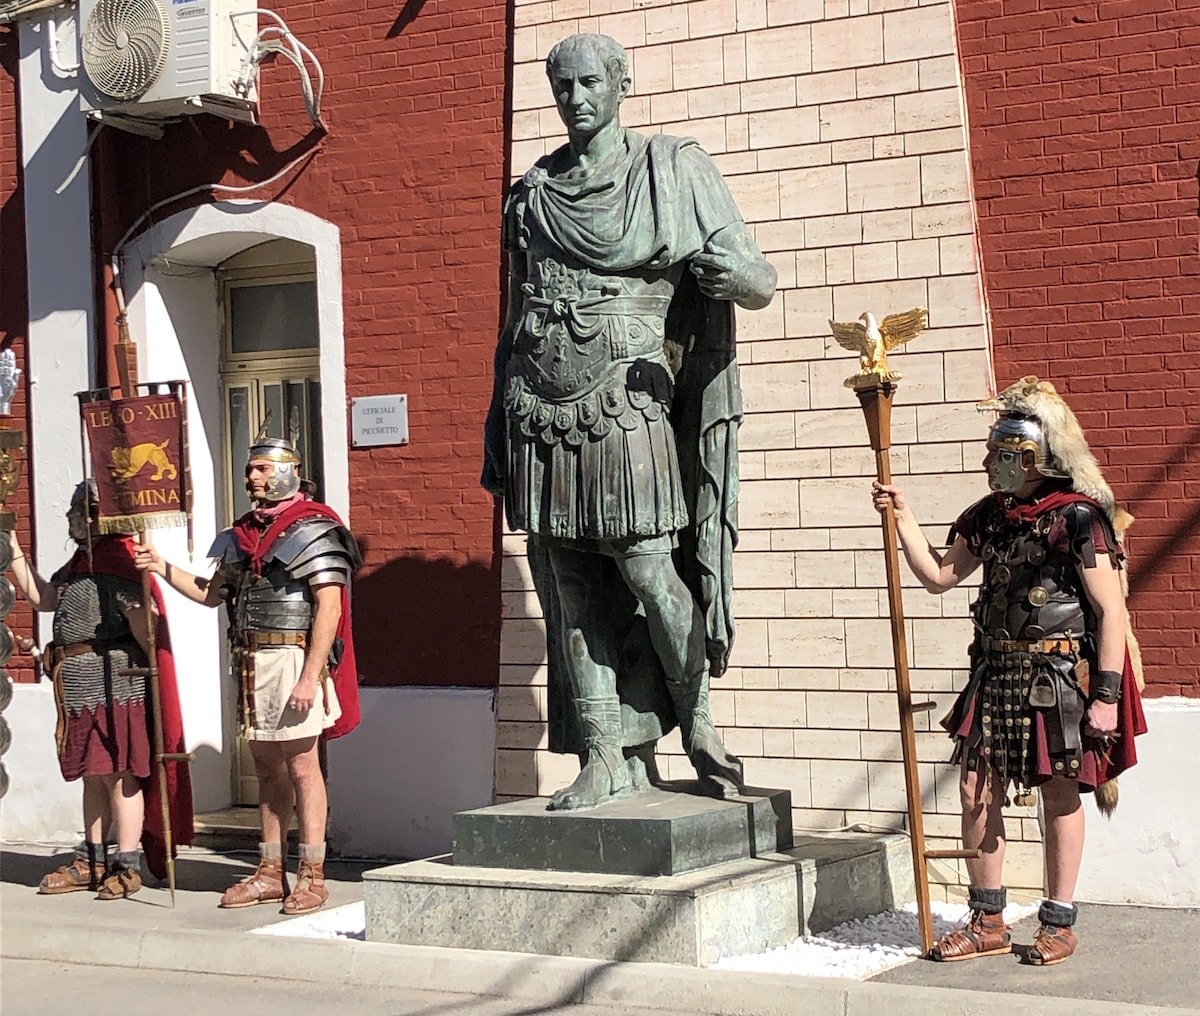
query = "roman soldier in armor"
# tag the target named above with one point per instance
(627, 252)
(97, 663)
(283, 570)
(1053, 700)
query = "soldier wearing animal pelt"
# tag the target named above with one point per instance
(284, 570)
(1053, 698)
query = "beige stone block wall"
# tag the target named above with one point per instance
(838, 125)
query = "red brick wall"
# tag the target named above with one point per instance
(1084, 123)
(412, 172)
(14, 307)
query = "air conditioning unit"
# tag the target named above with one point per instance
(149, 60)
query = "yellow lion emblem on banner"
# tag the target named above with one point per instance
(128, 462)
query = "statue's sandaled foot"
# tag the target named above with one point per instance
(719, 770)
(603, 778)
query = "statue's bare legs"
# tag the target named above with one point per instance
(677, 633)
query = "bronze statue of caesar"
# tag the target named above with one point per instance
(612, 434)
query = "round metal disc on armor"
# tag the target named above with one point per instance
(8, 596)
(1000, 601)
(6, 555)
(6, 643)
(1001, 635)
(5, 735)
(3, 780)
(1038, 596)
(1002, 574)
(1037, 555)
(988, 552)
(1033, 632)
(6, 690)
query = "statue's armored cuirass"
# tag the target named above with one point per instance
(577, 323)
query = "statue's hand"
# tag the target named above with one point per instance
(730, 275)
(492, 479)
(721, 276)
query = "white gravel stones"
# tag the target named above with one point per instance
(856, 949)
(862, 948)
(349, 921)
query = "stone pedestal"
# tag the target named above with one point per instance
(663, 831)
(734, 908)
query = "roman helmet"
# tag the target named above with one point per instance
(285, 481)
(1034, 416)
(1011, 436)
(83, 511)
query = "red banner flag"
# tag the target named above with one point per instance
(139, 461)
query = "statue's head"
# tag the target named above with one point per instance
(589, 76)
(272, 470)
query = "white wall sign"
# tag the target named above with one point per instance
(379, 420)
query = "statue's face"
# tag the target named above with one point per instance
(587, 99)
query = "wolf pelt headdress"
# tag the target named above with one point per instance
(1068, 446)
(1071, 454)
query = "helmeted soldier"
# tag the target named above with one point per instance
(283, 570)
(1053, 698)
(104, 737)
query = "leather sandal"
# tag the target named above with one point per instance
(310, 893)
(119, 884)
(983, 935)
(1051, 945)
(267, 885)
(78, 876)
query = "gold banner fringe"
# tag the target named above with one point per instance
(128, 525)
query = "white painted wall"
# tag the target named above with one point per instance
(58, 358)
(420, 755)
(1150, 850)
(39, 806)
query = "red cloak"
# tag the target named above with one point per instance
(255, 541)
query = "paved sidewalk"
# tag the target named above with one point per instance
(1133, 961)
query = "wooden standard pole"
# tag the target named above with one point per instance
(877, 408)
(160, 756)
(127, 373)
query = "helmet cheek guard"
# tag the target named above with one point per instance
(1006, 474)
(284, 482)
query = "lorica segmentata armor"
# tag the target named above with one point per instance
(314, 551)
